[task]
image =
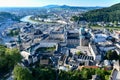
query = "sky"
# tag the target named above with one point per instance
(39, 3)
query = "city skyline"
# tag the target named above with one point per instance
(40, 3)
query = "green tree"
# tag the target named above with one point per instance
(2, 50)
(63, 75)
(15, 54)
(74, 18)
(14, 32)
(79, 53)
(112, 55)
(44, 74)
(22, 73)
(106, 77)
(8, 58)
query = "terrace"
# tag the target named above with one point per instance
(46, 49)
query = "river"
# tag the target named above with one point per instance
(27, 19)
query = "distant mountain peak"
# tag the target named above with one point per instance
(65, 6)
(50, 6)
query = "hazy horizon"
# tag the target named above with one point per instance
(40, 3)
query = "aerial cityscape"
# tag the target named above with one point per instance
(59, 40)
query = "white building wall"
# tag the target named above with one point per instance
(94, 52)
(25, 54)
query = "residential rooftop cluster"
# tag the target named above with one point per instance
(64, 47)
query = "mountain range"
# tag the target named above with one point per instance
(70, 7)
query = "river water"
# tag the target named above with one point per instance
(27, 19)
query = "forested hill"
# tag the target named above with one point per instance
(5, 16)
(105, 14)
